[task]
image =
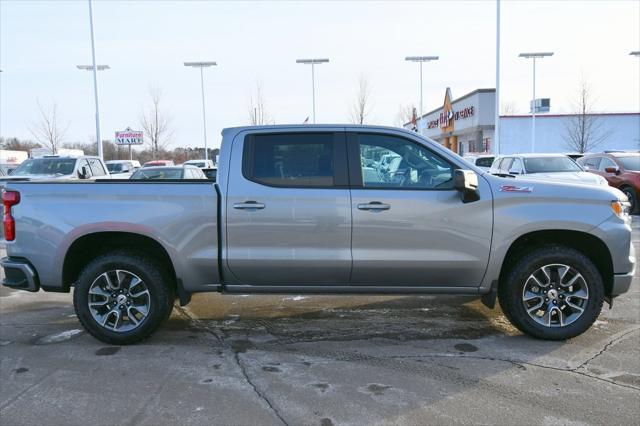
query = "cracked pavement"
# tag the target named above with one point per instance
(317, 360)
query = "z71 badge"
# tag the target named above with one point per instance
(514, 188)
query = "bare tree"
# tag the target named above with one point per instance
(155, 123)
(257, 109)
(584, 130)
(15, 144)
(405, 115)
(508, 108)
(48, 131)
(361, 108)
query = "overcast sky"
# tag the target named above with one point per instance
(146, 43)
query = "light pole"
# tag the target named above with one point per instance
(534, 56)
(635, 53)
(313, 63)
(421, 59)
(202, 65)
(95, 88)
(496, 127)
(94, 68)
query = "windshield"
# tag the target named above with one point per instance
(46, 166)
(550, 165)
(114, 167)
(157, 173)
(631, 162)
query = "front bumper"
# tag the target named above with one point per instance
(19, 274)
(621, 283)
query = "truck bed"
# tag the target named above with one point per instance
(179, 215)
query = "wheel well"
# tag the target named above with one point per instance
(591, 246)
(88, 247)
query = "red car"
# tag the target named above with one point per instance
(621, 169)
(158, 163)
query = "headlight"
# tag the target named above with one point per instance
(621, 209)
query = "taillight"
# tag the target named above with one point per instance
(9, 199)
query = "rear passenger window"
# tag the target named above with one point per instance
(296, 159)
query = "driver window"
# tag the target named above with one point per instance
(606, 163)
(394, 162)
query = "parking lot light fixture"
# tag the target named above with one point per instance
(201, 65)
(635, 53)
(421, 60)
(313, 63)
(534, 56)
(90, 67)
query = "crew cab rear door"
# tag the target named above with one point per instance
(288, 209)
(410, 227)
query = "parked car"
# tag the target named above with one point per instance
(211, 173)
(291, 213)
(484, 162)
(120, 169)
(203, 164)
(163, 173)
(158, 163)
(60, 168)
(620, 169)
(544, 166)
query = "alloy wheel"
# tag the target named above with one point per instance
(555, 295)
(119, 300)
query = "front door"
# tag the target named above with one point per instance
(410, 227)
(288, 210)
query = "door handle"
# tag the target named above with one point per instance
(249, 205)
(375, 206)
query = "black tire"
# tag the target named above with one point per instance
(160, 295)
(631, 195)
(510, 292)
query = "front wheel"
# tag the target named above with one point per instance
(631, 195)
(122, 297)
(552, 293)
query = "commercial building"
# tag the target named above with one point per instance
(467, 125)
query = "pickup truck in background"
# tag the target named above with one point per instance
(56, 167)
(294, 211)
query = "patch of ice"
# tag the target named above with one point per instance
(58, 337)
(296, 298)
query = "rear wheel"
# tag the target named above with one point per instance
(553, 293)
(122, 297)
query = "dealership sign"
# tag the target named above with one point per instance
(129, 137)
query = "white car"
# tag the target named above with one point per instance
(121, 169)
(481, 161)
(202, 164)
(544, 166)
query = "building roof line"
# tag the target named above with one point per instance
(568, 114)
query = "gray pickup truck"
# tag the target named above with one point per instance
(311, 209)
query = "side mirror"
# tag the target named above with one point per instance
(615, 170)
(466, 182)
(84, 173)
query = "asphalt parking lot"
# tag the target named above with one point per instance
(315, 360)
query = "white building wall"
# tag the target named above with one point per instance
(515, 133)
